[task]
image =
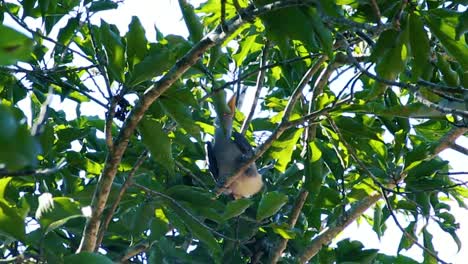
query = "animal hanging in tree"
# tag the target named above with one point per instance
(230, 151)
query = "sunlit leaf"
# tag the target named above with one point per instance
(14, 46)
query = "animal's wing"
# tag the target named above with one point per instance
(212, 163)
(242, 143)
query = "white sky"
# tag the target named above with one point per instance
(165, 15)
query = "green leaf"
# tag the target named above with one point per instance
(158, 143)
(356, 128)
(191, 20)
(179, 111)
(283, 230)
(55, 212)
(115, 51)
(136, 42)
(44, 6)
(314, 169)
(246, 47)
(193, 195)
(14, 46)
(11, 219)
(7, 123)
(157, 61)
(68, 31)
(19, 149)
(396, 53)
(348, 251)
(282, 149)
(420, 48)
(87, 257)
(195, 226)
(323, 33)
(443, 24)
(270, 204)
(427, 238)
(158, 229)
(297, 27)
(102, 5)
(377, 223)
(236, 207)
(331, 158)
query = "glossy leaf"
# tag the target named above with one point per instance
(14, 46)
(443, 25)
(10, 218)
(420, 48)
(236, 207)
(136, 42)
(270, 203)
(198, 230)
(191, 20)
(115, 51)
(56, 212)
(282, 149)
(157, 141)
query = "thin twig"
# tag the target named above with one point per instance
(359, 208)
(411, 87)
(310, 136)
(333, 229)
(459, 148)
(35, 33)
(399, 15)
(439, 108)
(409, 236)
(191, 174)
(256, 71)
(38, 172)
(135, 250)
(260, 80)
(279, 129)
(375, 8)
(292, 222)
(178, 205)
(114, 158)
(100, 62)
(122, 191)
(42, 117)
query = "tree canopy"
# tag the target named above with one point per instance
(348, 104)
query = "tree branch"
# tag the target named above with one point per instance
(279, 129)
(122, 191)
(177, 204)
(292, 222)
(335, 228)
(38, 172)
(359, 208)
(406, 234)
(260, 81)
(310, 136)
(216, 37)
(459, 148)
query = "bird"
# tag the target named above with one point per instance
(230, 150)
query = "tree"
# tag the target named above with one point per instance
(132, 185)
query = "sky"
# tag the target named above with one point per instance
(165, 15)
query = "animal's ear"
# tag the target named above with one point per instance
(211, 158)
(232, 104)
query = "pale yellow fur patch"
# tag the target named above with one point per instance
(246, 186)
